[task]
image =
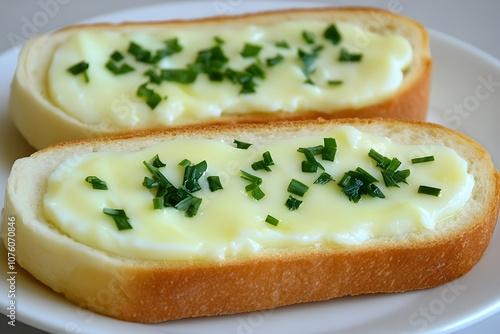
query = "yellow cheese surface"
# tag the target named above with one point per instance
(230, 222)
(112, 99)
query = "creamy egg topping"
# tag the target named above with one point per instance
(178, 76)
(209, 199)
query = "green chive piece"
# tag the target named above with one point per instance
(120, 218)
(311, 164)
(258, 194)
(210, 60)
(192, 173)
(241, 145)
(251, 178)
(245, 79)
(152, 98)
(308, 36)
(78, 68)
(214, 183)
(345, 56)
(251, 186)
(155, 161)
(293, 203)
(422, 159)
(332, 34)
(184, 163)
(250, 50)
(282, 44)
(275, 60)
(271, 220)
(308, 60)
(296, 187)
(116, 56)
(158, 203)
(184, 76)
(324, 178)
(264, 163)
(309, 167)
(218, 40)
(429, 190)
(149, 183)
(255, 71)
(391, 175)
(190, 205)
(122, 69)
(329, 150)
(96, 183)
(356, 183)
(335, 82)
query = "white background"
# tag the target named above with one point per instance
(475, 22)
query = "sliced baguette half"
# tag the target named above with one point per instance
(42, 122)
(155, 291)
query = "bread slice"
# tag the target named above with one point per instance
(43, 123)
(155, 291)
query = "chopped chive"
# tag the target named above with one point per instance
(78, 68)
(155, 161)
(335, 82)
(120, 218)
(112, 64)
(356, 183)
(255, 71)
(275, 60)
(252, 178)
(172, 46)
(429, 190)
(422, 159)
(324, 178)
(258, 194)
(214, 183)
(251, 186)
(296, 187)
(264, 163)
(292, 203)
(309, 167)
(139, 53)
(152, 98)
(241, 145)
(218, 40)
(250, 50)
(116, 56)
(329, 150)
(332, 34)
(211, 60)
(149, 183)
(190, 205)
(185, 163)
(192, 174)
(282, 44)
(308, 60)
(158, 203)
(271, 220)
(308, 36)
(184, 76)
(345, 56)
(96, 183)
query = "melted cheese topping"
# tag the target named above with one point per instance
(230, 222)
(112, 99)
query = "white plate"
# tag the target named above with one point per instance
(461, 98)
